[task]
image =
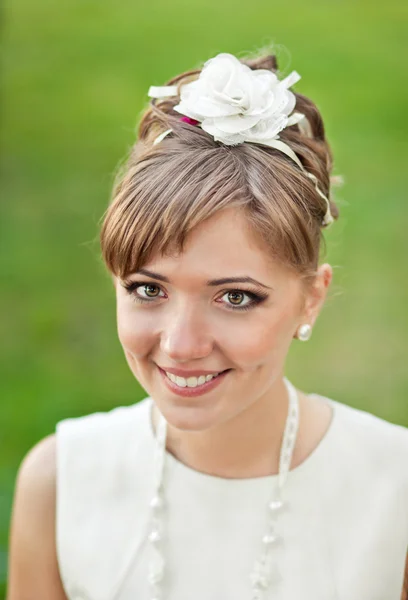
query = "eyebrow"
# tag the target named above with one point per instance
(211, 282)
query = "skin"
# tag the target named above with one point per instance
(33, 567)
(236, 429)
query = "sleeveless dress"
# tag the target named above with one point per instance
(345, 533)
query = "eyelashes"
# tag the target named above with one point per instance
(255, 298)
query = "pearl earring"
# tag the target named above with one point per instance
(304, 332)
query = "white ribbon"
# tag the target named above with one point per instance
(162, 91)
(171, 90)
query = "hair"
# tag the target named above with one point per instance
(163, 191)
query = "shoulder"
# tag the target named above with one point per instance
(37, 470)
(101, 433)
(35, 483)
(32, 561)
(98, 451)
(106, 422)
(104, 477)
(109, 439)
(370, 426)
(370, 438)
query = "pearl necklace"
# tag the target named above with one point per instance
(265, 570)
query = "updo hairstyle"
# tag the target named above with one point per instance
(163, 191)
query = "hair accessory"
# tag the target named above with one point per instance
(190, 121)
(236, 104)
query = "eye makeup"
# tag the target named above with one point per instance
(256, 298)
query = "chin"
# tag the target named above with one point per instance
(185, 415)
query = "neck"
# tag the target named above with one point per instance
(245, 446)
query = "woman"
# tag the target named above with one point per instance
(225, 481)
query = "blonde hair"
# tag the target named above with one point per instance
(165, 190)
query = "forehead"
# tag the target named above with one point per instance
(224, 245)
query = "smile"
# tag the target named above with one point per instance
(192, 386)
(190, 382)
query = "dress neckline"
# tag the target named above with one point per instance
(304, 469)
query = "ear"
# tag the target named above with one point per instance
(317, 295)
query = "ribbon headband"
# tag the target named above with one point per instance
(235, 104)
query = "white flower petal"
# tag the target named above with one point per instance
(218, 135)
(290, 102)
(265, 77)
(269, 129)
(240, 99)
(207, 107)
(237, 90)
(186, 110)
(281, 102)
(267, 105)
(234, 103)
(220, 71)
(236, 123)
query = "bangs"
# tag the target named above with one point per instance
(170, 190)
(154, 213)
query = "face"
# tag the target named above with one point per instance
(179, 318)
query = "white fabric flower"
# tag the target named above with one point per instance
(235, 103)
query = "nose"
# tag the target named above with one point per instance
(186, 336)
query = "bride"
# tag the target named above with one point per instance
(226, 480)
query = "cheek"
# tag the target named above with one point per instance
(136, 333)
(264, 341)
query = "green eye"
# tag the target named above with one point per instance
(147, 289)
(235, 297)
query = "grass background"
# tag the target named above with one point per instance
(75, 77)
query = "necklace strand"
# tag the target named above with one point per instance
(265, 570)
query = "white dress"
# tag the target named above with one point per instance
(345, 533)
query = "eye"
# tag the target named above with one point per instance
(148, 288)
(145, 292)
(236, 297)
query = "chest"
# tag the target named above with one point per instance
(331, 548)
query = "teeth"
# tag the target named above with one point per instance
(191, 381)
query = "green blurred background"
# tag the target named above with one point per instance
(75, 77)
